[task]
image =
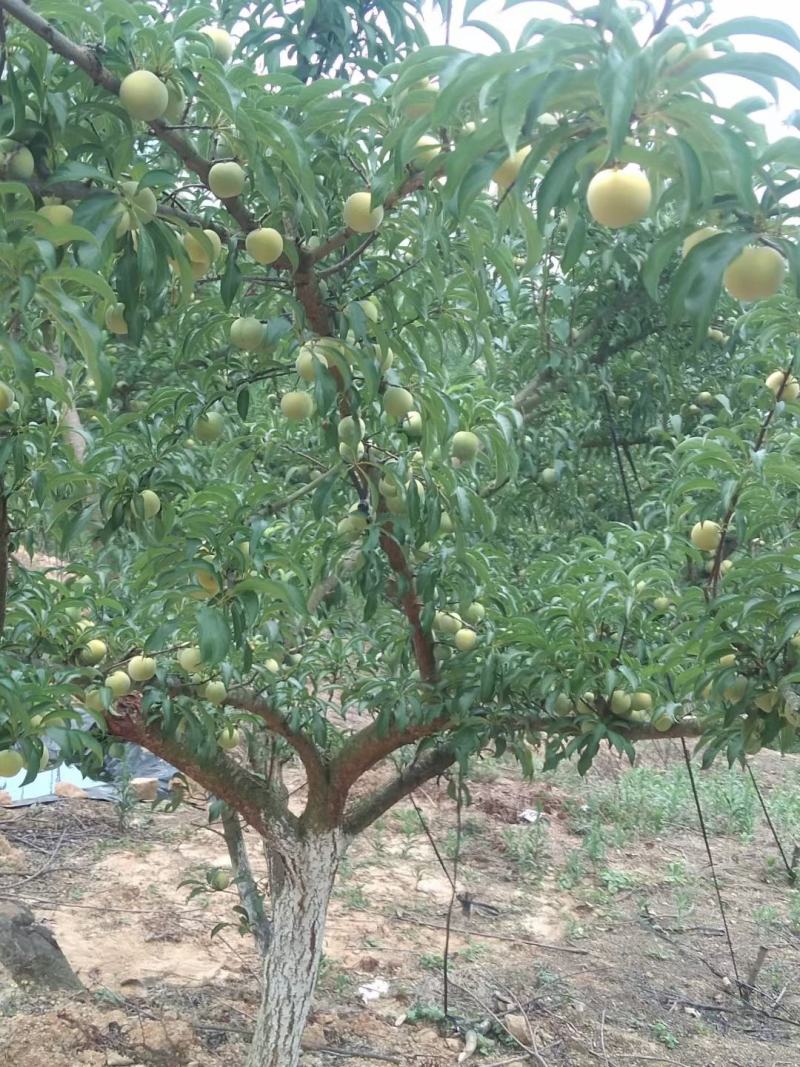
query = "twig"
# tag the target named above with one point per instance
(326, 272)
(42, 870)
(789, 867)
(603, 1035)
(434, 846)
(531, 1051)
(495, 937)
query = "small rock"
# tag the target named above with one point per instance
(116, 1059)
(5, 798)
(454, 1043)
(144, 788)
(438, 888)
(69, 791)
(517, 1026)
(429, 1035)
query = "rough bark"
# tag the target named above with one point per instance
(299, 908)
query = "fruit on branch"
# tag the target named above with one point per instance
(728, 660)
(351, 527)
(717, 335)
(447, 622)
(229, 738)
(350, 430)
(697, 238)
(617, 198)
(215, 692)
(141, 668)
(219, 879)
(115, 319)
(661, 603)
(207, 580)
(264, 245)
(548, 476)
(359, 215)
(221, 41)
(465, 445)
(349, 453)
(787, 385)
(57, 215)
(475, 613)
(209, 427)
(177, 104)
(247, 333)
(297, 405)
(94, 651)
(465, 640)
(508, 171)
(138, 206)
(189, 659)
(706, 535)
(226, 180)
(6, 397)
(426, 149)
(16, 160)
(397, 401)
(371, 309)
(307, 362)
(151, 503)
(705, 398)
(641, 702)
(620, 702)
(200, 252)
(725, 566)
(755, 274)
(119, 683)
(682, 55)
(11, 763)
(412, 424)
(143, 95)
(418, 99)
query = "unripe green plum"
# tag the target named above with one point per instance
(297, 406)
(620, 702)
(151, 503)
(209, 427)
(397, 401)
(641, 702)
(143, 95)
(190, 659)
(447, 622)
(229, 738)
(202, 253)
(359, 215)
(350, 429)
(465, 445)
(352, 527)
(226, 180)
(264, 245)
(119, 683)
(706, 535)
(215, 692)
(16, 161)
(141, 668)
(221, 42)
(465, 640)
(475, 613)
(412, 424)
(11, 763)
(247, 333)
(94, 651)
(115, 319)
(6, 397)
(548, 477)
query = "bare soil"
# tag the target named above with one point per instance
(610, 954)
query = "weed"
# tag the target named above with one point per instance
(767, 915)
(617, 881)
(354, 897)
(794, 911)
(431, 961)
(662, 1033)
(529, 848)
(574, 870)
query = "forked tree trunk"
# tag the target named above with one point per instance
(301, 891)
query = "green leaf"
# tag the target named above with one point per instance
(562, 175)
(213, 634)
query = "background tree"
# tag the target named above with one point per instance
(360, 462)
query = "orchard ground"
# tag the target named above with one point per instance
(613, 875)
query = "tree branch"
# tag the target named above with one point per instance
(249, 895)
(220, 775)
(422, 768)
(87, 61)
(246, 700)
(410, 185)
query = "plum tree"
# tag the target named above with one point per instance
(322, 501)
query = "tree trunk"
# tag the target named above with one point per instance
(301, 890)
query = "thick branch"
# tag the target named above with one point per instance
(223, 777)
(422, 768)
(246, 700)
(86, 59)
